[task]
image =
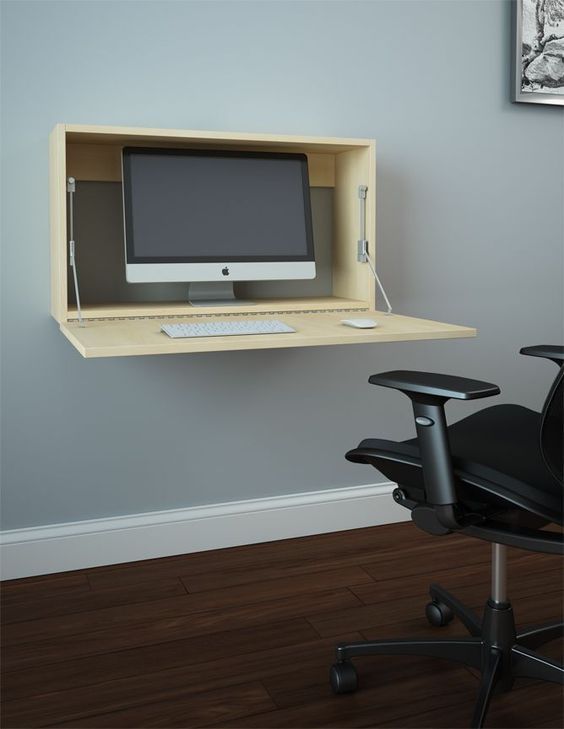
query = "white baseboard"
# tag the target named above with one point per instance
(77, 545)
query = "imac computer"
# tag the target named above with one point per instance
(209, 218)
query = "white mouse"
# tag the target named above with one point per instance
(360, 323)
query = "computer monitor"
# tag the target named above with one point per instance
(216, 217)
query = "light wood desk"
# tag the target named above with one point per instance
(92, 154)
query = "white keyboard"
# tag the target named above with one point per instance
(226, 328)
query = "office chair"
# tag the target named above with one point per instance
(495, 475)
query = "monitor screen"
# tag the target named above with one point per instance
(193, 206)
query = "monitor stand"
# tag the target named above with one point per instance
(213, 293)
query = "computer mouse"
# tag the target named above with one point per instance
(360, 323)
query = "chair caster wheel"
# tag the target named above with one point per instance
(438, 614)
(343, 677)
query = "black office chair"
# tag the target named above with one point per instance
(497, 476)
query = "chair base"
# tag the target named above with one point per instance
(494, 647)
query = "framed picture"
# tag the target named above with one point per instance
(538, 51)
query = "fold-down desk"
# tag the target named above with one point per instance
(121, 322)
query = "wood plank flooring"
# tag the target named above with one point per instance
(244, 637)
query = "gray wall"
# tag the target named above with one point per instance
(470, 227)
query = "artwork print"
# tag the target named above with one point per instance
(539, 51)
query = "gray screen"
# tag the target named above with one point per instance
(186, 207)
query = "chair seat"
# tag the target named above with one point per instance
(495, 450)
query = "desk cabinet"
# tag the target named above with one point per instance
(127, 322)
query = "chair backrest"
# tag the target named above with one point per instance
(552, 428)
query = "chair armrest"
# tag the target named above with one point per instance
(428, 393)
(550, 351)
(432, 385)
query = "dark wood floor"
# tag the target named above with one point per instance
(244, 637)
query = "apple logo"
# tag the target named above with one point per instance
(225, 271)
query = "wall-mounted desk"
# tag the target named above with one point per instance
(92, 154)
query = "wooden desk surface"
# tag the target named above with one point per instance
(127, 337)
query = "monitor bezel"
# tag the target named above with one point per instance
(139, 261)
